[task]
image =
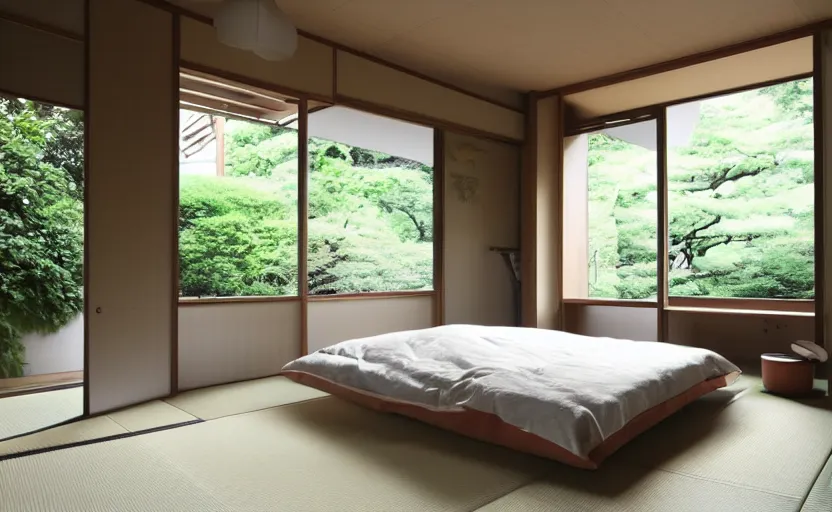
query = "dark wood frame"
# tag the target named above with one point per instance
(303, 222)
(662, 324)
(174, 314)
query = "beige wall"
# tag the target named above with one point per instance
(477, 282)
(42, 66)
(130, 203)
(230, 342)
(332, 321)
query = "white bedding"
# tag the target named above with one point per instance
(572, 390)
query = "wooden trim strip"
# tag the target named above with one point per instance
(161, 4)
(735, 312)
(260, 84)
(28, 96)
(618, 303)
(528, 218)
(819, 118)
(662, 327)
(40, 26)
(189, 301)
(641, 114)
(303, 223)
(86, 269)
(691, 60)
(439, 227)
(784, 305)
(428, 121)
(560, 170)
(174, 306)
(372, 295)
(44, 379)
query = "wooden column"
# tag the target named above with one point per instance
(541, 214)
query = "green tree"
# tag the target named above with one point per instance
(41, 224)
(740, 198)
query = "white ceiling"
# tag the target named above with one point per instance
(524, 45)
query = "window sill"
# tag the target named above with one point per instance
(197, 301)
(372, 295)
(741, 312)
(620, 303)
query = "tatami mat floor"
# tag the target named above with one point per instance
(25, 413)
(188, 407)
(298, 450)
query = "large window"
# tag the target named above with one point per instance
(237, 207)
(612, 213)
(370, 204)
(740, 203)
(741, 195)
(370, 193)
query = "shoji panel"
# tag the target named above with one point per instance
(41, 66)
(478, 288)
(331, 321)
(67, 15)
(230, 342)
(611, 321)
(309, 70)
(369, 81)
(131, 170)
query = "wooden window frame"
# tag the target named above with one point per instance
(730, 305)
(237, 110)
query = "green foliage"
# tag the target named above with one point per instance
(370, 219)
(41, 224)
(740, 197)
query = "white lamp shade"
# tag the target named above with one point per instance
(257, 26)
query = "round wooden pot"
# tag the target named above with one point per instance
(787, 375)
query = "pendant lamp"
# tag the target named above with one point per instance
(257, 26)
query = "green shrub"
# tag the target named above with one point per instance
(41, 229)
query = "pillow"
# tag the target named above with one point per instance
(572, 398)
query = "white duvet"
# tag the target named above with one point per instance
(572, 390)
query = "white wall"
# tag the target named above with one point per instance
(62, 351)
(477, 282)
(230, 342)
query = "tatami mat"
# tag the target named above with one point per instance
(820, 497)
(150, 415)
(122, 475)
(240, 397)
(25, 413)
(78, 431)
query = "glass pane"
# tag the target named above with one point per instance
(370, 203)
(622, 212)
(238, 232)
(741, 194)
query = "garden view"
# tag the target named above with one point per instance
(370, 219)
(740, 203)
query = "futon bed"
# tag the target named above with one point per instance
(575, 399)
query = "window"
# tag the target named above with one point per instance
(370, 193)
(238, 200)
(611, 208)
(741, 195)
(370, 204)
(740, 203)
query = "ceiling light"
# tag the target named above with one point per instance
(257, 26)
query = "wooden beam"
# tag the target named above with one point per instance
(303, 223)
(174, 322)
(219, 130)
(662, 324)
(40, 26)
(528, 219)
(691, 60)
(438, 226)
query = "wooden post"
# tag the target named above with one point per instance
(219, 135)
